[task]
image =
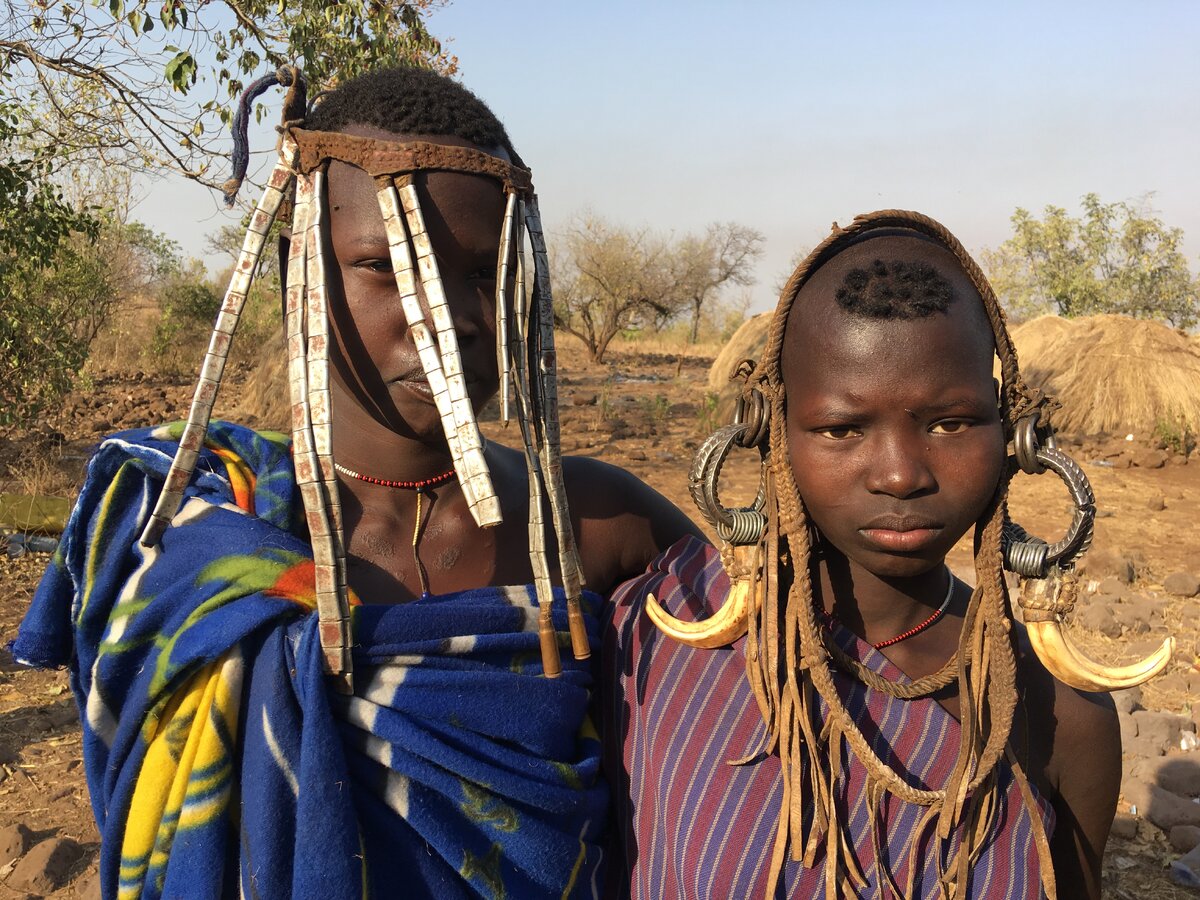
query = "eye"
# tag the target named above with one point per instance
(950, 426)
(382, 266)
(839, 432)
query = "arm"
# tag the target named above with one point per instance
(1087, 761)
(621, 523)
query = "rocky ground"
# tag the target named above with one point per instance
(648, 412)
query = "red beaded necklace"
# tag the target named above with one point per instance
(419, 487)
(403, 485)
(916, 629)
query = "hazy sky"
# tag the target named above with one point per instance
(787, 116)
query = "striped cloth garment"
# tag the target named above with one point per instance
(689, 824)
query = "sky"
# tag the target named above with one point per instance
(789, 116)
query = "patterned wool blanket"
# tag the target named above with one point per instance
(218, 760)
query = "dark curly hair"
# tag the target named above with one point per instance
(895, 290)
(409, 100)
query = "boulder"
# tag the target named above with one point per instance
(1150, 459)
(46, 867)
(1186, 869)
(1125, 827)
(1178, 773)
(1128, 700)
(1160, 729)
(1099, 617)
(1184, 837)
(1156, 503)
(1158, 806)
(1182, 584)
(1111, 588)
(14, 841)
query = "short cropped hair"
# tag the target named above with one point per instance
(409, 100)
(895, 290)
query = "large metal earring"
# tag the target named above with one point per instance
(740, 529)
(1048, 595)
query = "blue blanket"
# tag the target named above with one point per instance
(219, 764)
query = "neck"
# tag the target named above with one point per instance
(873, 606)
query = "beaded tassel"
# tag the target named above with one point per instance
(333, 608)
(502, 267)
(218, 351)
(519, 352)
(551, 457)
(402, 265)
(481, 497)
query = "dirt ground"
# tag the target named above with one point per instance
(642, 410)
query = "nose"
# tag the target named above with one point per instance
(900, 465)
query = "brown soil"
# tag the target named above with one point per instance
(644, 411)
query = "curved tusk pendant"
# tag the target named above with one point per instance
(729, 623)
(1065, 661)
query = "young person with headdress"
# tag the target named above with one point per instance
(326, 664)
(821, 707)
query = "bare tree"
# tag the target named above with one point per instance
(609, 280)
(724, 255)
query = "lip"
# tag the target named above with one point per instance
(418, 384)
(906, 534)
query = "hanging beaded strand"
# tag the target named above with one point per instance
(481, 496)
(538, 560)
(551, 456)
(829, 618)
(503, 265)
(217, 353)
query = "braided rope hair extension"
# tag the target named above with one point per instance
(792, 666)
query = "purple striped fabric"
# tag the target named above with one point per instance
(690, 825)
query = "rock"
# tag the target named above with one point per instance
(1161, 729)
(1156, 503)
(1159, 806)
(1150, 459)
(14, 841)
(583, 399)
(1184, 837)
(1111, 588)
(1099, 617)
(88, 887)
(1104, 563)
(1129, 732)
(1125, 827)
(638, 455)
(1128, 700)
(1178, 773)
(1137, 614)
(1182, 584)
(45, 868)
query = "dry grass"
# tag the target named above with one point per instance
(1113, 373)
(747, 343)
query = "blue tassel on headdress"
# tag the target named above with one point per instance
(284, 77)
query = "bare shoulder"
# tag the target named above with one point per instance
(621, 522)
(1074, 755)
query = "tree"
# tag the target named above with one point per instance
(1116, 258)
(148, 84)
(37, 355)
(609, 280)
(723, 255)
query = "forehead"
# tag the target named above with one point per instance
(829, 348)
(463, 207)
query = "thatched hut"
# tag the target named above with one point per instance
(1113, 373)
(747, 343)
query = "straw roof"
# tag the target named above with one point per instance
(747, 343)
(1112, 373)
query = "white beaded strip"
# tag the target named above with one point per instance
(551, 455)
(213, 366)
(333, 608)
(481, 497)
(502, 266)
(427, 352)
